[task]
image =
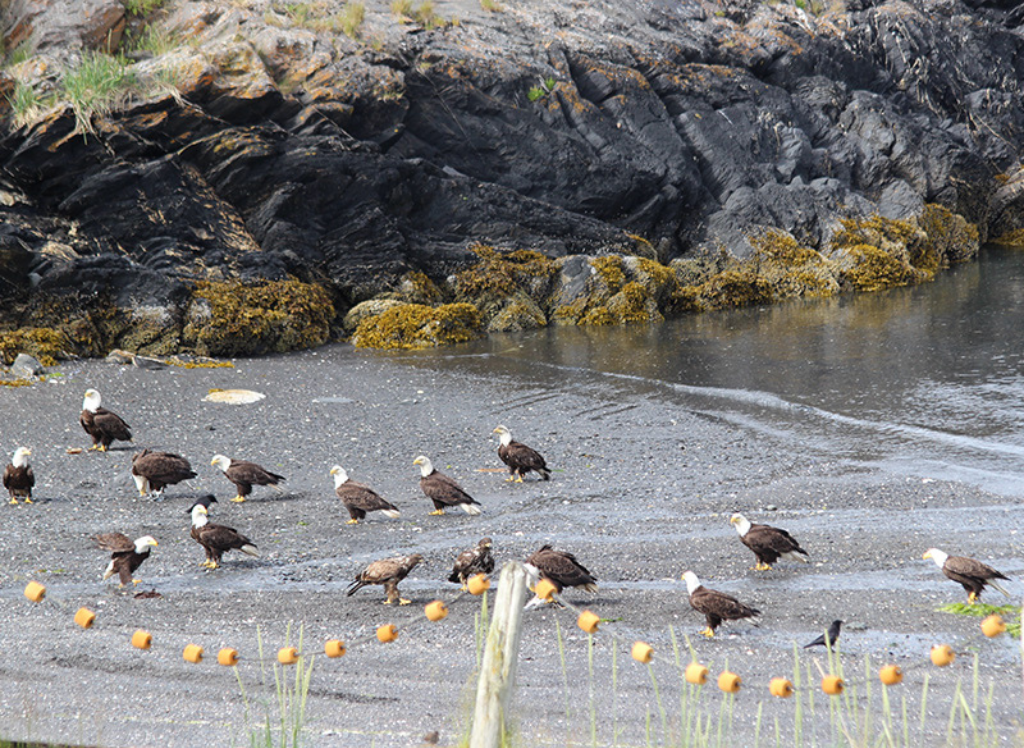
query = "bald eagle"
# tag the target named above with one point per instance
(127, 554)
(768, 543)
(359, 499)
(471, 562)
(969, 572)
(561, 569)
(388, 572)
(519, 458)
(18, 476)
(245, 475)
(103, 426)
(716, 606)
(216, 539)
(442, 490)
(153, 471)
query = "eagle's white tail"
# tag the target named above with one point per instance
(794, 556)
(999, 587)
(250, 549)
(110, 570)
(473, 509)
(393, 513)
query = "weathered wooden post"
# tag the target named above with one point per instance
(501, 654)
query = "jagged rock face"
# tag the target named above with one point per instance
(291, 149)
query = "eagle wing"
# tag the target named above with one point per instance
(362, 497)
(19, 479)
(222, 538)
(111, 424)
(473, 561)
(440, 487)
(772, 538)
(518, 455)
(249, 472)
(114, 541)
(718, 604)
(162, 467)
(970, 567)
(562, 568)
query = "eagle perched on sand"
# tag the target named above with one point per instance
(154, 471)
(716, 606)
(768, 543)
(360, 499)
(561, 568)
(519, 458)
(18, 476)
(245, 475)
(472, 562)
(126, 555)
(388, 572)
(216, 540)
(101, 424)
(442, 490)
(972, 574)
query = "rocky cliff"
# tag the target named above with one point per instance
(252, 175)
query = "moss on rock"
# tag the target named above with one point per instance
(634, 305)
(45, 343)
(520, 313)
(951, 238)
(874, 253)
(233, 318)
(369, 308)
(419, 326)
(1013, 238)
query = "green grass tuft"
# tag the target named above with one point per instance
(96, 85)
(1010, 613)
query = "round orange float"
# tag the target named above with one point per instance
(729, 682)
(993, 626)
(85, 618)
(545, 589)
(436, 610)
(696, 674)
(227, 657)
(387, 633)
(142, 639)
(832, 685)
(588, 621)
(891, 675)
(780, 687)
(478, 584)
(35, 592)
(942, 655)
(334, 648)
(642, 652)
(193, 653)
(288, 655)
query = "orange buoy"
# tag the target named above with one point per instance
(780, 687)
(193, 653)
(334, 648)
(436, 610)
(891, 675)
(387, 633)
(696, 674)
(545, 589)
(588, 621)
(35, 592)
(832, 685)
(992, 626)
(942, 655)
(226, 656)
(85, 618)
(142, 639)
(729, 682)
(478, 584)
(642, 652)
(288, 655)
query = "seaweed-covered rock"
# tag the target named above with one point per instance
(419, 326)
(368, 308)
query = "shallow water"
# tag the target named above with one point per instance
(924, 381)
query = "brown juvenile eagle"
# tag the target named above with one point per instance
(154, 471)
(520, 458)
(216, 540)
(360, 499)
(768, 543)
(102, 425)
(126, 555)
(472, 562)
(245, 475)
(716, 606)
(969, 572)
(18, 476)
(442, 490)
(388, 572)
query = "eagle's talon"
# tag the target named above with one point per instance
(28, 500)
(437, 513)
(238, 499)
(14, 500)
(352, 522)
(403, 601)
(707, 632)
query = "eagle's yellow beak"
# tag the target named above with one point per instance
(928, 554)
(213, 462)
(733, 520)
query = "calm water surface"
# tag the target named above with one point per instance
(923, 381)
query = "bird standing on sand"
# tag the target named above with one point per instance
(972, 574)
(768, 543)
(154, 471)
(829, 638)
(388, 572)
(442, 490)
(216, 540)
(716, 606)
(101, 424)
(18, 476)
(358, 498)
(519, 458)
(560, 568)
(127, 554)
(245, 475)
(472, 562)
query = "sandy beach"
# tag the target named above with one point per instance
(645, 480)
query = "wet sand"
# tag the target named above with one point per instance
(644, 483)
